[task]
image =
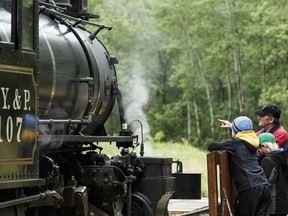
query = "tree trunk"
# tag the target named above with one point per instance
(239, 79)
(188, 123)
(229, 92)
(211, 112)
(197, 120)
(237, 61)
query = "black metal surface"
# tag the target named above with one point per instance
(188, 186)
(157, 167)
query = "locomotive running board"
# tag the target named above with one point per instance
(17, 183)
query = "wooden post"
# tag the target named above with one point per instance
(221, 189)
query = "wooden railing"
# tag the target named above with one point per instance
(221, 189)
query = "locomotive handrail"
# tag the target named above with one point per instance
(78, 20)
(63, 121)
(55, 6)
(74, 138)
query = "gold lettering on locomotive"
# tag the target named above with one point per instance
(26, 99)
(17, 101)
(5, 93)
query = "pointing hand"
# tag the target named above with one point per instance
(225, 123)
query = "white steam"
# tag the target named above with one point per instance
(136, 99)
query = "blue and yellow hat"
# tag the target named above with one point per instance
(242, 123)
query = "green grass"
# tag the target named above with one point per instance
(193, 159)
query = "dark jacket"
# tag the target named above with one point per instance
(275, 165)
(243, 161)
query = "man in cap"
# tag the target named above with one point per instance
(269, 120)
(254, 196)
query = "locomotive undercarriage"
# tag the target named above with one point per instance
(89, 177)
(91, 183)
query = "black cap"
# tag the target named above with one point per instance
(270, 110)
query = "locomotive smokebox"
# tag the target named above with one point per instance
(77, 76)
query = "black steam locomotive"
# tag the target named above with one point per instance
(58, 87)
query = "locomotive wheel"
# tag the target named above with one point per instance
(140, 205)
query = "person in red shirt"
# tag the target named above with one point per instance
(269, 120)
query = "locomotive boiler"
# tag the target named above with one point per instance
(58, 87)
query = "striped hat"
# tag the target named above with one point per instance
(242, 123)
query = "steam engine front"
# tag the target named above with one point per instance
(58, 87)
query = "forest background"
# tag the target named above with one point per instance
(183, 64)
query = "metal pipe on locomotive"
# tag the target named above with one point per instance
(58, 87)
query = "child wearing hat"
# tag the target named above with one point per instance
(268, 143)
(275, 166)
(254, 196)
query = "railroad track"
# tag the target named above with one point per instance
(199, 212)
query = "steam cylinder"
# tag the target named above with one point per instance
(76, 75)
